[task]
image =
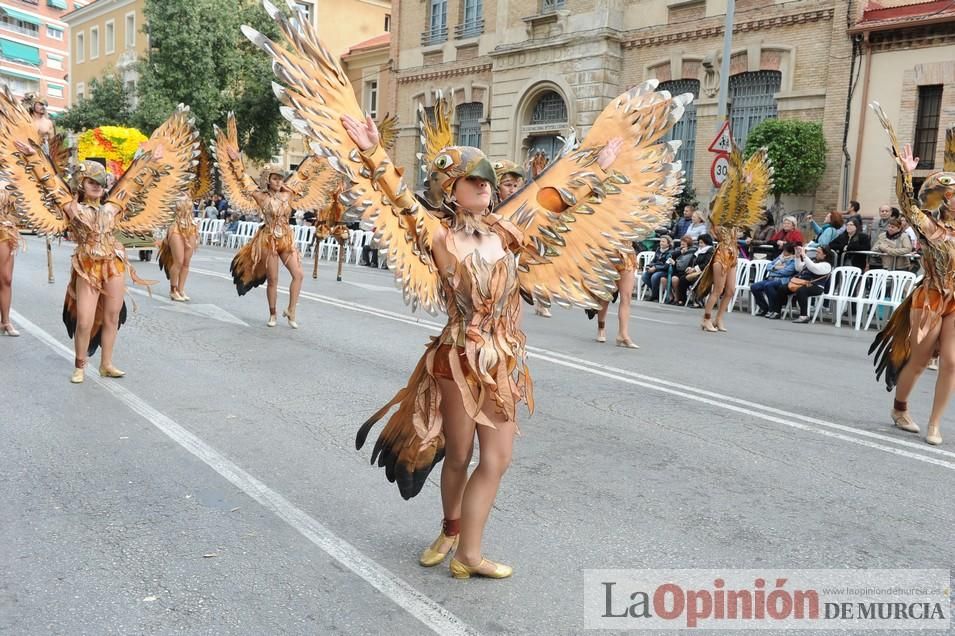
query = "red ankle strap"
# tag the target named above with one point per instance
(451, 527)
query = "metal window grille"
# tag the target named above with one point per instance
(469, 124)
(926, 125)
(752, 101)
(473, 23)
(549, 6)
(685, 129)
(549, 109)
(437, 23)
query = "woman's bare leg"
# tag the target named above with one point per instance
(6, 280)
(625, 287)
(497, 445)
(716, 291)
(602, 321)
(922, 353)
(272, 282)
(112, 305)
(87, 298)
(189, 248)
(293, 263)
(945, 383)
(729, 291)
(458, 430)
(177, 246)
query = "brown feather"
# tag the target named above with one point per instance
(388, 131)
(247, 273)
(202, 184)
(892, 347)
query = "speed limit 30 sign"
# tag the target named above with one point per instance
(719, 169)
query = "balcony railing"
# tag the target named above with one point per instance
(33, 33)
(549, 6)
(437, 35)
(469, 29)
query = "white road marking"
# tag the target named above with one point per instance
(370, 287)
(752, 409)
(433, 615)
(203, 310)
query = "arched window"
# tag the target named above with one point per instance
(752, 101)
(469, 124)
(685, 129)
(549, 109)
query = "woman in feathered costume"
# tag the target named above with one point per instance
(9, 243)
(924, 324)
(276, 194)
(452, 253)
(141, 201)
(175, 253)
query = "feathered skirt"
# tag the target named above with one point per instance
(250, 265)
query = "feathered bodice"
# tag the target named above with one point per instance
(726, 237)
(938, 257)
(93, 228)
(275, 214)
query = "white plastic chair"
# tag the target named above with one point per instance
(842, 283)
(898, 285)
(870, 292)
(643, 261)
(759, 268)
(303, 238)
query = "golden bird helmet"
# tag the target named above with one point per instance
(268, 171)
(451, 164)
(89, 170)
(504, 167)
(938, 191)
(32, 99)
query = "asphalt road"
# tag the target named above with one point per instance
(216, 489)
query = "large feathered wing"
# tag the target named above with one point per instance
(388, 131)
(60, 154)
(739, 202)
(33, 197)
(202, 184)
(315, 95)
(571, 243)
(231, 170)
(149, 190)
(314, 183)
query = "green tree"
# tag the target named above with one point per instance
(797, 150)
(199, 57)
(108, 104)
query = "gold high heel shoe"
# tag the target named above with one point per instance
(8, 330)
(461, 571)
(601, 326)
(78, 371)
(719, 325)
(933, 435)
(272, 321)
(184, 297)
(707, 324)
(111, 372)
(431, 556)
(627, 343)
(176, 296)
(904, 421)
(291, 319)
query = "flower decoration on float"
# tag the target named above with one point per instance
(115, 144)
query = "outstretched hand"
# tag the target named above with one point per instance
(24, 149)
(906, 160)
(363, 134)
(609, 153)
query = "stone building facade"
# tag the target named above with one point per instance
(524, 71)
(905, 60)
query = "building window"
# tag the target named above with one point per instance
(54, 62)
(926, 125)
(472, 23)
(306, 7)
(387, 23)
(94, 43)
(130, 30)
(549, 6)
(469, 124)
(371, 98)
(752, 100)
(54, 90)
(80, 91)
(549, 109)
(54, 33)
(110, 37)
(19, 85)
(80, 48)
(685, 129)
(437, 23)
(19, 22)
